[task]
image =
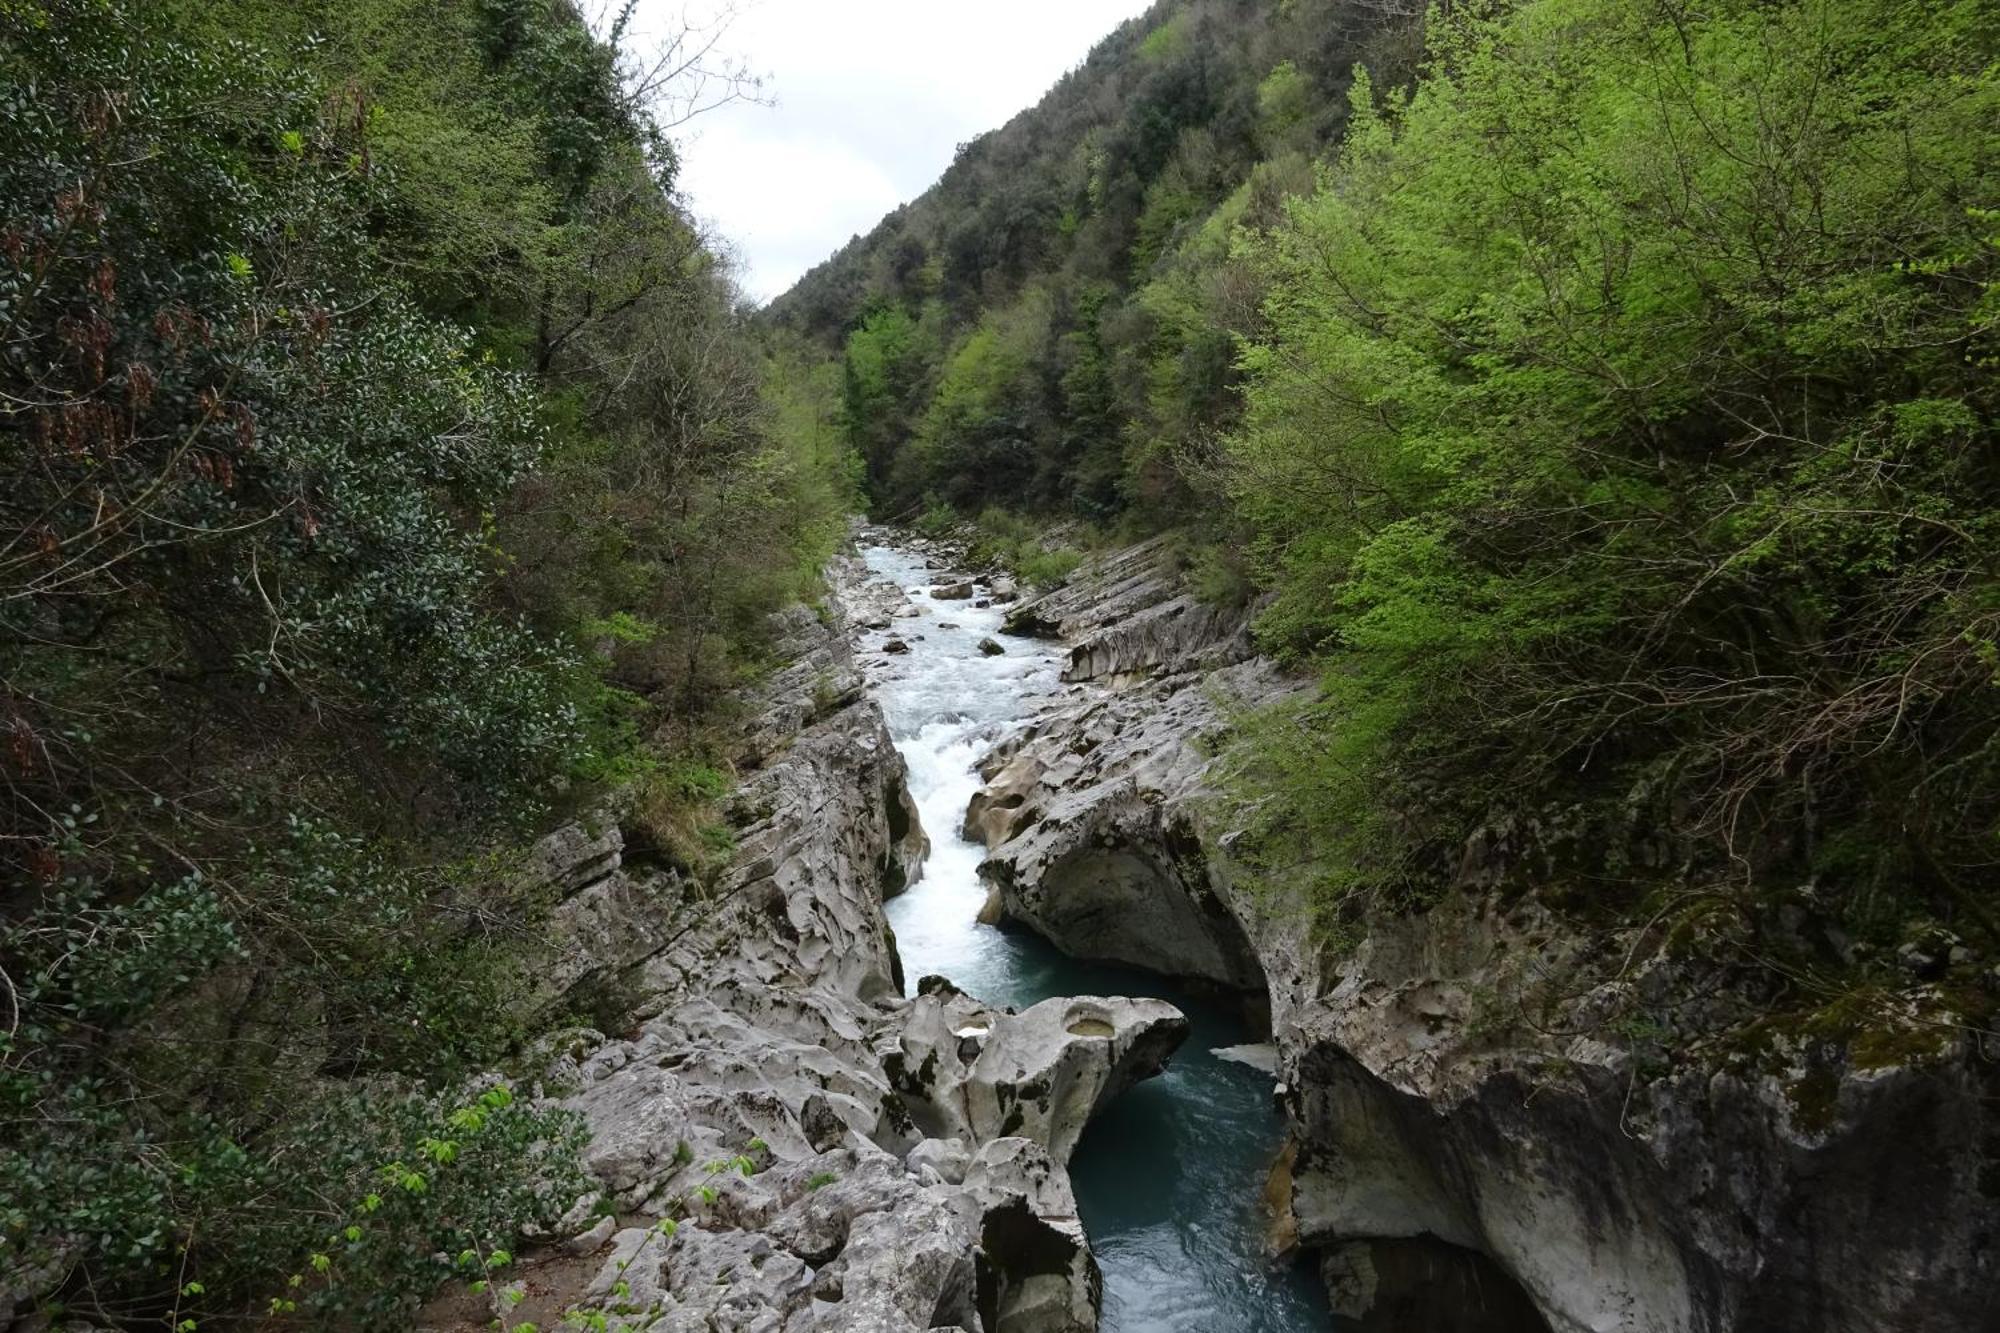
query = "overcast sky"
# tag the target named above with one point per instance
(872, 97)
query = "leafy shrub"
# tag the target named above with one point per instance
(247, 615)
(1023, 546)
(937, 520)
(1043, 568)
(1620, 451)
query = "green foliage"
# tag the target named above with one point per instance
(881, 368)
(379, 458)
(972, 440)
(1620, 449)
(674, 814)
(937, 520)
(409, 1180)
(1037, 557)
(1284, 101)
(1167, 40)
(1052, 326)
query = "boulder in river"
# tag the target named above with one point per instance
(979, 1073)
(952, 592)
(990, 648)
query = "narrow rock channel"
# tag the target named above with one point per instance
(1169, 1178)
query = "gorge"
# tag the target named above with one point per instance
(1349, 680)
(1168, 1178)
(1426, 1179)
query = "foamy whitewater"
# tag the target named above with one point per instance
(1169, 1177)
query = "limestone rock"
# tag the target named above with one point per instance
(1089, 814)
(764, 1019)
(1537, 1166)
(1129, 613)
(981, 1074)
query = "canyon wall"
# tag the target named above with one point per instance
(1469, 1090)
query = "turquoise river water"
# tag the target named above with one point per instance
(1169, 1178)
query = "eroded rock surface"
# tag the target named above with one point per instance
(1090, 811)
(980, 1073)
(903, 1172)
(1473, 1101)
(1622, 1187)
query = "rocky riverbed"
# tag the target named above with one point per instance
(906, 1154)
(1480, 1139)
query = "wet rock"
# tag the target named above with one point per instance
(991, 648)
(895, 646)
(952, 592)
(1038, 1273)
(1389, 1286)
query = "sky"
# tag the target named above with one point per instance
(871, 98)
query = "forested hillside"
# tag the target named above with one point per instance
(1049, 326)
(1599, 397)
(376, 441)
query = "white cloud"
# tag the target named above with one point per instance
(872, 97)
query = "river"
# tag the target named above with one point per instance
(1169, 1178)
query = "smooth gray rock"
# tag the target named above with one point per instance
(979, 1074)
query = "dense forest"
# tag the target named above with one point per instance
(376, 435)
(1595, 401)
(1051, 325)
(1598, 398)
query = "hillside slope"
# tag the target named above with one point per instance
(1045, 323)
(1596, 404)
(373, 433)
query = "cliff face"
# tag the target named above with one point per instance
(1470, 1097)
(836, 1156)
